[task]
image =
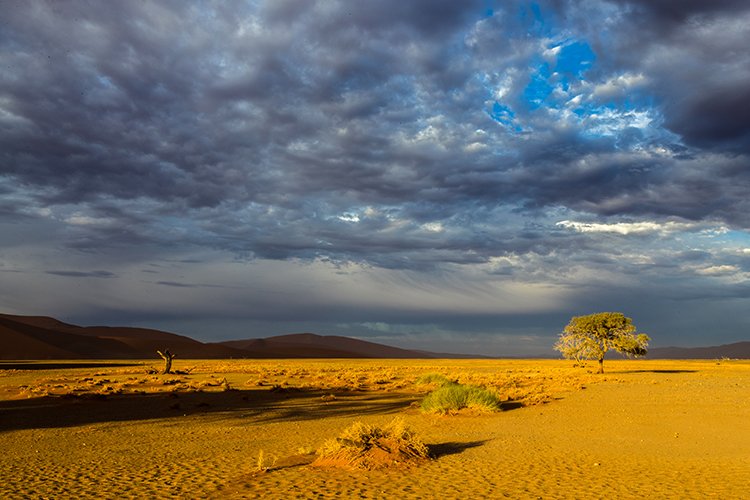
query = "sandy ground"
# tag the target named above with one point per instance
(646, 429)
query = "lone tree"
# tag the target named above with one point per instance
(168, 357)
(590, 337)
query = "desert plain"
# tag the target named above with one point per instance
(251, 429)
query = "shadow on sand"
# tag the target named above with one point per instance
(511, 405)
(452, 448)
(657, 371)
(436, 451)
(255, 405)
(59, 365)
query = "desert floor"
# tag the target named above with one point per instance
(249, 429)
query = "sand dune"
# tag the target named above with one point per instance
(41, 337)
(35, 337)
(27, 340)
(310, 345)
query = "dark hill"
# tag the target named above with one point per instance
(40, 337)
(310, 345)
(740, 350)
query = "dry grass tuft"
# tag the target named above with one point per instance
(451, 398)
(367, 447)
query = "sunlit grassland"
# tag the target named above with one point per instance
(522, 382)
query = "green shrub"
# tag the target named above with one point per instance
(451, 398)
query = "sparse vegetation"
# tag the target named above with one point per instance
(329, 380)
(363, 446)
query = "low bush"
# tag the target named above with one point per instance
(363, 446)
(451, 398)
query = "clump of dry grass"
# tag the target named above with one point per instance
(451, 398)
(363, 446)
(264, 463)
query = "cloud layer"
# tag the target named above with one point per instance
(570, 154)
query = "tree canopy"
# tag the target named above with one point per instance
(591, 336)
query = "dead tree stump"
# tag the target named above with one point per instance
(167, 357)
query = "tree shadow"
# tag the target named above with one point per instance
(353, 403)
(657, 371)
(257, 405)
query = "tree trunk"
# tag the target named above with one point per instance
(601, 365)
(168, 357)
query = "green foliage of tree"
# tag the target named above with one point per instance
(590, 337)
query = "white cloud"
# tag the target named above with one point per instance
(474, 147)
(433, 227)
(610, 121)
(552, 52)
(349, 217)
(626, 228)
(721, 270)
(78, 219)
(715, 231)
(504, 85)
(618, 86)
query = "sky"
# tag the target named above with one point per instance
(452, 176)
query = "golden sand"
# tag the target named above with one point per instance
(247, 429)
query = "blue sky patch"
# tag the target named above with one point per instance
(539, 88)
(503, 115)
(575, 58)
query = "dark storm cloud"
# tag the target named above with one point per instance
(675, 12)
(301, 111)
(721, 119)
(691, 52)
(83, 274)
(179, 284)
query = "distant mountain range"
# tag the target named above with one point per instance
(42, 337)
(737, 350)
